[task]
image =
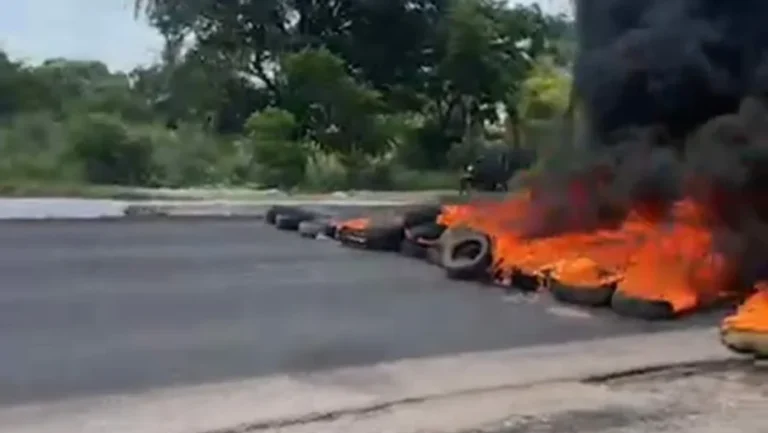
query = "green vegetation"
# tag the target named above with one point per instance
(291, 94)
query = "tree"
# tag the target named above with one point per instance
(544, 93)
(335, 111)
(277, 157)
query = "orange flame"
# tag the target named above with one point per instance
(673, 261)
(752, 315)
(355, 224)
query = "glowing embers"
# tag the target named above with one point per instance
(746, 331)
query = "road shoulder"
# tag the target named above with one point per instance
(292, 401)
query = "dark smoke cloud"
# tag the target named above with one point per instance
(676, 91)
(671, 62)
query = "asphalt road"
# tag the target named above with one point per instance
(89, 308)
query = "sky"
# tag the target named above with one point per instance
(105, 30)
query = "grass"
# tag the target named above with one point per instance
(28, 189)
(43, 189)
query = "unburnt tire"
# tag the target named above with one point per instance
(630, 306)
(310, 229)
(331, 230)
(590, 296)
(384, 237)
(746, 342)
(410, 248)
(467, 256)
(381, 237)
(434, 255)
(287, 222)
(270, 217)
(436, 250)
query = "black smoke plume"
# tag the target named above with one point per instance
(675, 92)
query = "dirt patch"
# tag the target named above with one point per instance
(708, 398)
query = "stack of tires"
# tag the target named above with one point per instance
(387, 231)
(319, 226)
(419, 240)
(292, 218)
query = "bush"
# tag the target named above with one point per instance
(108, 153)
(33, 148)
(419, 180)
(425, 146)
(325, 172)
(278, 159)
(189, 156)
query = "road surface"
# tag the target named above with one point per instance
(94, 308)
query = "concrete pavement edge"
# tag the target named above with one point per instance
(247, 209)
(296, 399)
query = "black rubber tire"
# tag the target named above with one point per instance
(311, 228)
(351, 238)
(435, 252)
(434, 255)
(746, 342)
(289, 222)
(385, 237)
(625, 305)
(421, 215)
(331, 230)
(599, 296)
(379, 236)
(428, 232)
(410, 248)
(467, 268)
(270, 217)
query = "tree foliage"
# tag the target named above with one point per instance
(257, 91)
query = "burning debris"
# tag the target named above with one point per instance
(747, 330)
(664, 207)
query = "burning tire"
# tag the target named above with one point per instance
(746, 342)
(378, 236)
(467, 256)
(436, 250)
(626, 305)
(746, 331)
(590, 296)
